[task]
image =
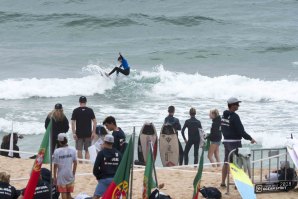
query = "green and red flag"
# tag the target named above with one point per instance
(119, 188)
(43, 156)
(197, 180)
(148, 182)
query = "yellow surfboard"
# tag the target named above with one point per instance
(242, 182)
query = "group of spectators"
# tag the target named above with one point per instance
(84, 128)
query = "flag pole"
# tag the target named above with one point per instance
(132, 163)
(153, 163)
(50, 151)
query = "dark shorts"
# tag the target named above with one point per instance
(229, 146)
(83, 143)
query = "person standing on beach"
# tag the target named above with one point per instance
(174, 122)
(119, 135)
(65, 165)
(83, 127)
(214, 136)
(60, 124)
(6, 145)
(193, 125)
(233, 131)
(105, 166)
(124, 65)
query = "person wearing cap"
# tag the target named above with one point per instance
(83, 127)
(233, 131)
(105, 166)
(214, 137)
(60, 124)
(193, 125)
(124, 65)
(119, 135)
(65, 165)
(7, 191)
(174, 122)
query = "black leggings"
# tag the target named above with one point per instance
(187, 149)
(120, 70)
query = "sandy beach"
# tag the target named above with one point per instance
(178, 182)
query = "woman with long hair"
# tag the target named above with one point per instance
(215, 137)
(60, 124)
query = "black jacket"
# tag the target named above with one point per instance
(232, 128)
(215, 131)
(58, 126)
(106, 163)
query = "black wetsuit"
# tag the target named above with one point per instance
(193, 126)
(177, 126)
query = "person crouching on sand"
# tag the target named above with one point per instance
(65, 165)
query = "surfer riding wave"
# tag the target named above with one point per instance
(124, 65)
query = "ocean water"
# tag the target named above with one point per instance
(186, 53)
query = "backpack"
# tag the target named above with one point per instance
(210, 192)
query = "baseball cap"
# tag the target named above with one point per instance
(109, 138)
(58, 106)
(61, 137)
(83, 99)
(233, 100)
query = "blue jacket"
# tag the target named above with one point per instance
(124, 64)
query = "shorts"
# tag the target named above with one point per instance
(217, 143)
(83, 143)
(102, 186)
(66, 188)
(229, 146)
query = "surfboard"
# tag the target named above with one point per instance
(292, 148)
(168, 146)
(147, 134)
(242, 182)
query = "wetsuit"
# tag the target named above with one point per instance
(232, 131)
(174, 122)
(124, 65)
(193, 125)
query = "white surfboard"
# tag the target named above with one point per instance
(147, 134)
(292, 147)
(168, 146)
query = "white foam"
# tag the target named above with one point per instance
(25, 128)
(162, 84)
(54, 87)
(196, 86)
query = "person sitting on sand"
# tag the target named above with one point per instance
(124, 65)
(105, 166)
(6, 144)
(6, 190)
(65, 165)
(214, 136)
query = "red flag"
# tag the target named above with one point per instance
(42, 155)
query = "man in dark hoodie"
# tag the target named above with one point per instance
(233, 131)
(105, 166)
